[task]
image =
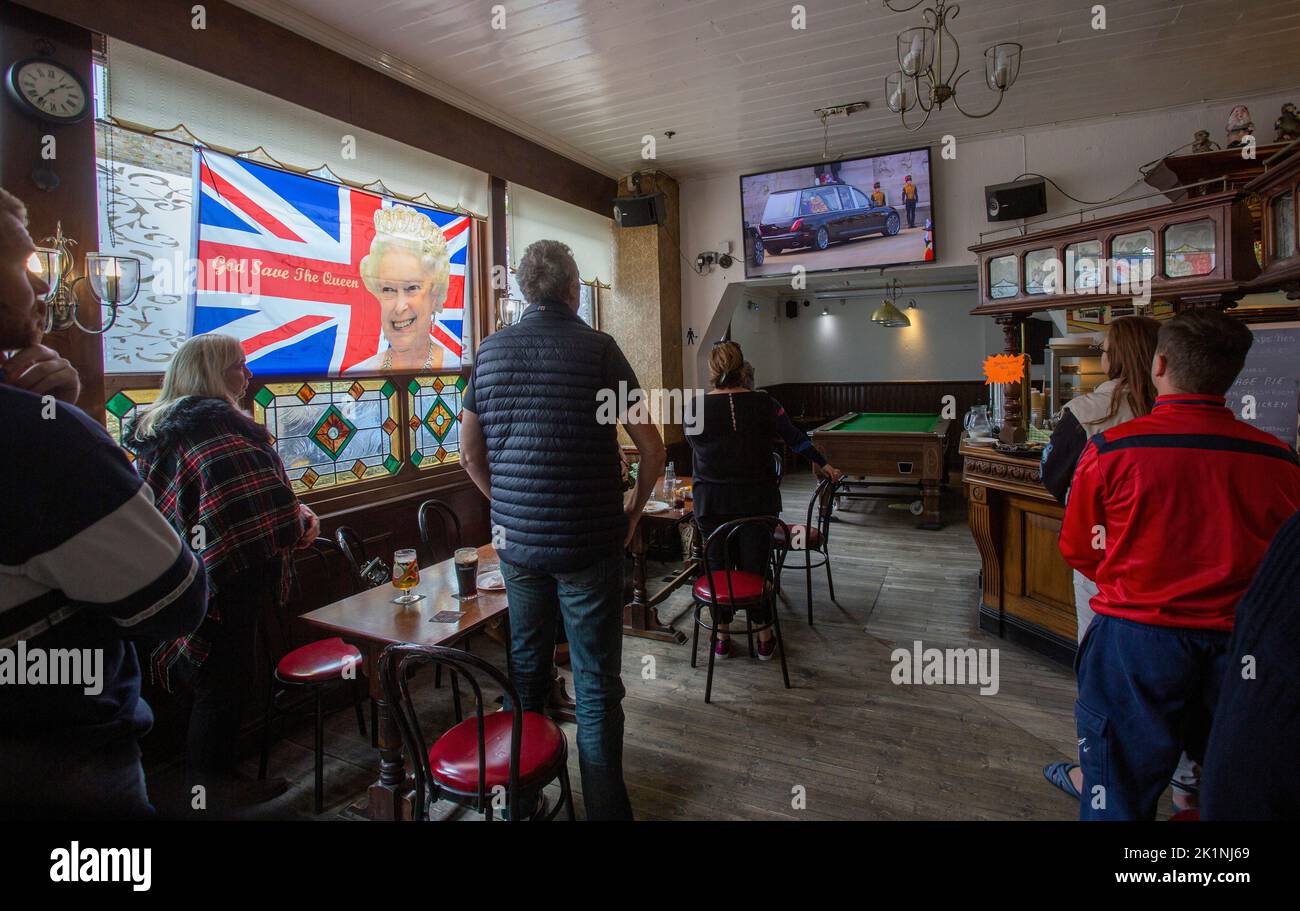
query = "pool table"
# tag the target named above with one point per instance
(889, 450)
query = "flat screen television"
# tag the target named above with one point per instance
(857, 213)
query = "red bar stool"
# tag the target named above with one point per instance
(301, 679)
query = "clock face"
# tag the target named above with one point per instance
(49, 90)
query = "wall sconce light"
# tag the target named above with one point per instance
(114, 282)
(888, 314)
(509, 310)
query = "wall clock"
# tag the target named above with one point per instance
(48, 90)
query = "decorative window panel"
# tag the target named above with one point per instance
(434, 406)
(1003, 280)
(1083, 265)
(1133, 257)
(145, 202)
(1040, 272)
(121, 410)
(330, 433)
(1189, 248)
(1284, 226)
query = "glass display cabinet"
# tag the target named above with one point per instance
(1073, 369)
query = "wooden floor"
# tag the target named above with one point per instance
(845, 742)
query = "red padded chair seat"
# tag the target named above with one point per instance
(812, 536)
(744, 586)
(453, 759)
(318, 662)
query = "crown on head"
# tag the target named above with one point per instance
(405, 222)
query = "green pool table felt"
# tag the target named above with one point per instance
(885, 422)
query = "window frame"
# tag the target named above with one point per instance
(408, 477)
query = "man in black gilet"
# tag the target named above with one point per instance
(537, 442)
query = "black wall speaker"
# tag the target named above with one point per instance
(791, 309)
(1018, 199)
(638, 211)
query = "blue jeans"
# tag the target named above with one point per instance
(1146, 694)
(590, 603)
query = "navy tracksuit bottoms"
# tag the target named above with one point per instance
(1146, 693)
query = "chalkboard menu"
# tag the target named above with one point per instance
(1272, 377)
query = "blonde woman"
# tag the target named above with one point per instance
(407, 270)
(218, 481)
(733, 472)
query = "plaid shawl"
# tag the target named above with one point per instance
(216, 478)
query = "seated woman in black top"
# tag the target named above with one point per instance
(733, 472)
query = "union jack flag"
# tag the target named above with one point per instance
(306, 238)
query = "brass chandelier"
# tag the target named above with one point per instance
(922, 81)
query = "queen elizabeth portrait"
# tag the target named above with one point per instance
(407, 271)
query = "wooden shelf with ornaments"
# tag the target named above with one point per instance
(1209, 246)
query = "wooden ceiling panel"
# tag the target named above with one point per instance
(739, 85)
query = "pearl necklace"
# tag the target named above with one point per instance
(388, 359)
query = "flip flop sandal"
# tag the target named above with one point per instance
(1058, 773)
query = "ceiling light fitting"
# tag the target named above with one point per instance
(921, 79)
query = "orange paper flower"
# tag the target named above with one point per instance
(1004, 368)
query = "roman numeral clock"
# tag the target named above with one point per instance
(47, 90)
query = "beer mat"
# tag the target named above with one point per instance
(447, 616)
(492, 582)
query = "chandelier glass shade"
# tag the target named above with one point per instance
(924, 81)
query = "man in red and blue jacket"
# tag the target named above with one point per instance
(1169, 514)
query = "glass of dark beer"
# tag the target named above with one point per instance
(466, 573)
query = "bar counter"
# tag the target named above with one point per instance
(1027, 591)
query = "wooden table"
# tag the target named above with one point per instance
(372, 622)
(640, 615)
(889, 450)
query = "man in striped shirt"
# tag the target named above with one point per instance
(86, 566)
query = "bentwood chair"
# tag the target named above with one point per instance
(491, 755)
(438, 521)
(367, 571)
(304, 676)
(724, 590)
(812, 540)
(447, 529)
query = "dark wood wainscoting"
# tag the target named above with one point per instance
(813, 404)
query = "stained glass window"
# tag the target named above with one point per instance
(1189, 248)
(1133, 258)
(1041, 276)
(434, 406)
(1083, 265)
(1284, 226)
(122, 408)
(330, 433)
(1002, 277)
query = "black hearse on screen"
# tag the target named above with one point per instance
(818, 216)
